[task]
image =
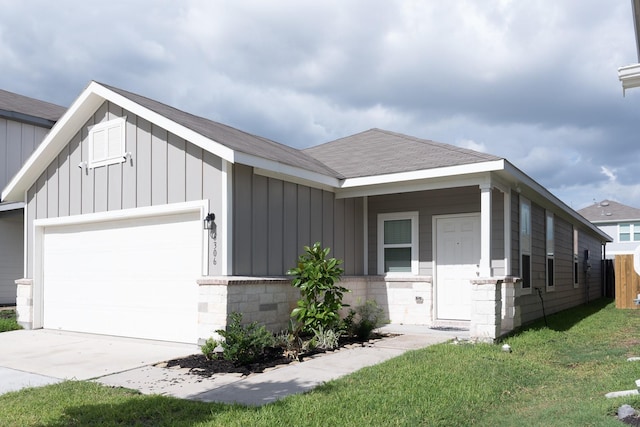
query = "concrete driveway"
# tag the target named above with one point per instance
(39, 357)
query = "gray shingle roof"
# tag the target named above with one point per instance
(232, 138)
(610, 211)
(378, 152)
(23, 105)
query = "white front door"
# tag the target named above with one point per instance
(457, 260)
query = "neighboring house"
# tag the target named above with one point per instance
(119, 193)
(630, 74)
(23, 124)
(620, 221)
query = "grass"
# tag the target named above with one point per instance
(556, 375)
(8, 321)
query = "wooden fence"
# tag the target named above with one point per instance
(627, 282)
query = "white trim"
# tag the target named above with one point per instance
(507, 233)
(227, 220)
(415, 244)
(407, 187)
(25, 239)
(486, 193)
(11, 206)
(548, 214)
(490, 166)
(525, 251)
(365, 234)
(201, 141)
(629, 76)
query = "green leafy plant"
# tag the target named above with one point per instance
(8, 321)
(316, 277)
(326, 339)
(244, 344)
(209, 348)
(364, 319)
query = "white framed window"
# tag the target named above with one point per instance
(629, 232)
(525, 244)
(550, 245)
(575, 258)
(107, 143)
(398, 243)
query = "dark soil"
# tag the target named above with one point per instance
(199, 365)
(632, 420)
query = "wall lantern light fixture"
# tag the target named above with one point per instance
(209, 221)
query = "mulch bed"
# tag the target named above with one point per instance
(197, 364)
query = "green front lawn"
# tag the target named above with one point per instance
(555, 376)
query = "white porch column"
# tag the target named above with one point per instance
(485, 230)
(507, 232)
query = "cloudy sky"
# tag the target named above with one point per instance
(532, 81)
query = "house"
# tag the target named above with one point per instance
(146, 221)
(23, 124)
(620, 221)
(630, 75)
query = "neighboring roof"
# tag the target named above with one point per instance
(235, 139)
(389, 152)
(610, 211)
(25, 109)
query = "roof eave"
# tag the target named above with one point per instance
(629, 76)
(64, 129)
(525, 180)
(75, 117)
(489, 166)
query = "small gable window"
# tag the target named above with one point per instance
(107, 143)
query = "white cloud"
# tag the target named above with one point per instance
(534, 82)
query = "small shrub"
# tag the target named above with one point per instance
(326, 339)
(209, 348)
(362, 321)
(8, 321)
(244, 344)
(321, 297)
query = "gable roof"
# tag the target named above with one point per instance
(235, 139)
(368, 163)
(610, 211)
(230, 144)
(24, 109)
(389, 152)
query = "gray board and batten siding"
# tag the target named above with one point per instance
(162, 169)
(272, 220)
(18, 141)
(275, 219)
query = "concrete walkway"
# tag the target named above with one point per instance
(41, 357)
(267, 387)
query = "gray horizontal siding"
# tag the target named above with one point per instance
(275, 219)
(163, 169)
(564, 295)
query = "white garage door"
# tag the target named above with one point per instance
(133, 277)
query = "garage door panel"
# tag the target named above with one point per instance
(134, 277)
